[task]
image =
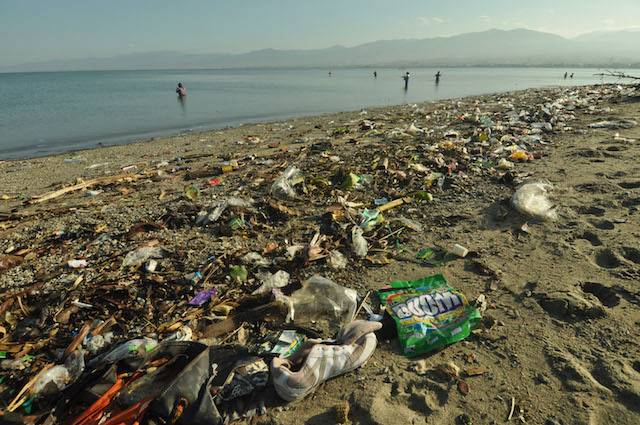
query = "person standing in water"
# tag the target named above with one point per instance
(375, 74)
(405, 77)
(571, 76)
(182, 92)
(438, 77)
(565, 75)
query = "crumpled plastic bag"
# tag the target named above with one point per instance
(283, 186)
(141, 255)
(270, 281)
(360, 245)
(532, 199)
(212, 215)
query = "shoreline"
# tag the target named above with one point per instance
(560, 296)
(163, 135)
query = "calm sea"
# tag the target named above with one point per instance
(43, 113)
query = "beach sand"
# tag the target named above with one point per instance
(559, 339)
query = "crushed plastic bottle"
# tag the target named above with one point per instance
(127, 350)
(321, 299)
(283, 186)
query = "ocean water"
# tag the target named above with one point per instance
(44, 113)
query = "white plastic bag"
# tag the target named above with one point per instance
(532, 199)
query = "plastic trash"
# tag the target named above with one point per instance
(360, 245)
(55, 379)
(283, 186)
(459, 251)
(213, 214)
(270, 281)
(135, 348)
(429, 314)
(255, 259)
(321, 299)
(15, 364)
(531, 199)
(77, 264)
(141, 255)
(505, 164)
(98, 342)
(238, 273)
(370, 219)
(51, 381)
(337, 260)
(202, 297)
(183, 334)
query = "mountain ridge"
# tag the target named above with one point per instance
(494, 47)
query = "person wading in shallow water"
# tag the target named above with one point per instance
(182, 92)
(405, 77)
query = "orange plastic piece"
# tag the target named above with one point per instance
(93, 414)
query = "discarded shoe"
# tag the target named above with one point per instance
(322, 361)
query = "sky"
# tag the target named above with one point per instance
(41, 30)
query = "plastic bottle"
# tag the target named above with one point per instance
(322, 299)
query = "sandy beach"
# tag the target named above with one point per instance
(558, 342)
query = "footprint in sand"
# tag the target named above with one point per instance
(631, 254)
(629, 185)
(592, 210)
(592, 238)
(607, 259)
(603, 224)
(606, 295)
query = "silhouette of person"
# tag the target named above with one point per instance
(405, 77)
(565, 75)
(181, 90)
(375, 74)
(571, 76)
(438, 77)
(329, 73)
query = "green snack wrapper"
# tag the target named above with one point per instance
(429, 313)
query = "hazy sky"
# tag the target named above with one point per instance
(35, 30)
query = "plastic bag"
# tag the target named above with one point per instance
(360, 245)
(270, 281)
(141, 255)
(283, 186)
(55, 379)
(322, 299)
(429, 314)
(531, 199)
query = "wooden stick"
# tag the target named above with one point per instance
(19, 399)
(513, 408)
(84, 185)
(84, 331)
(393, 204)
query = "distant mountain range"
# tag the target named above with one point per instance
(518, 47)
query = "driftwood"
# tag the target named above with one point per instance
(617, 74)
(84, 185)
